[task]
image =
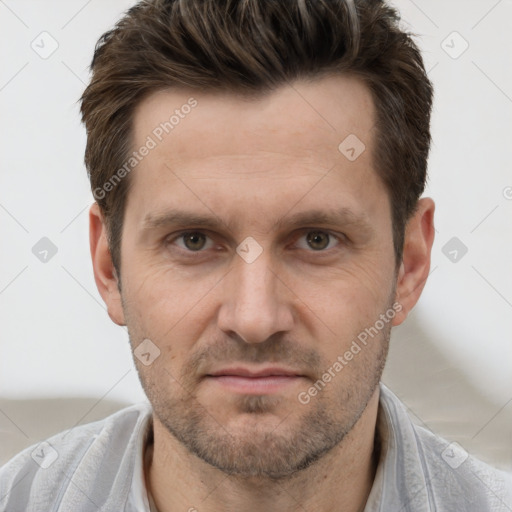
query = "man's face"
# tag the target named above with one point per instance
(317, 270)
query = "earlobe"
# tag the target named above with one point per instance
(415, 265)
(104, 272)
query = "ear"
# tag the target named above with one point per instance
(415, 266)
(104, 272)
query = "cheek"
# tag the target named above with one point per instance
(352, 291)
(160, 289)
(166, 307)
(340, 309)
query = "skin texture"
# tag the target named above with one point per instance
(253, 167)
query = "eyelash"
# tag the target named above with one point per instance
(340, 239)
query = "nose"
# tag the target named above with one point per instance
(255, 303)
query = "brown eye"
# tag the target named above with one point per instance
(318, 240)
(194, 241)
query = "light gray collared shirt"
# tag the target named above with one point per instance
(99, 467)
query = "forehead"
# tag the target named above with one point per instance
(228, 146)
(299, 119)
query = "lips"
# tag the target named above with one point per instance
(255, 381)
(248, 373)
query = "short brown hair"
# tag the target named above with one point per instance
(253, 47)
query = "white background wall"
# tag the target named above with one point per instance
(56, 338)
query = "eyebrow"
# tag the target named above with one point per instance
(344, 217)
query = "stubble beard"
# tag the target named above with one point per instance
(276, 453)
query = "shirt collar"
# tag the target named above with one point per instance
(399, 482)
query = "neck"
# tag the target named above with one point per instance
(340, 480)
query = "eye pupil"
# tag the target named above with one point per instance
(194, 241)
(318, 240)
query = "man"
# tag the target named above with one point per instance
(257, 168)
